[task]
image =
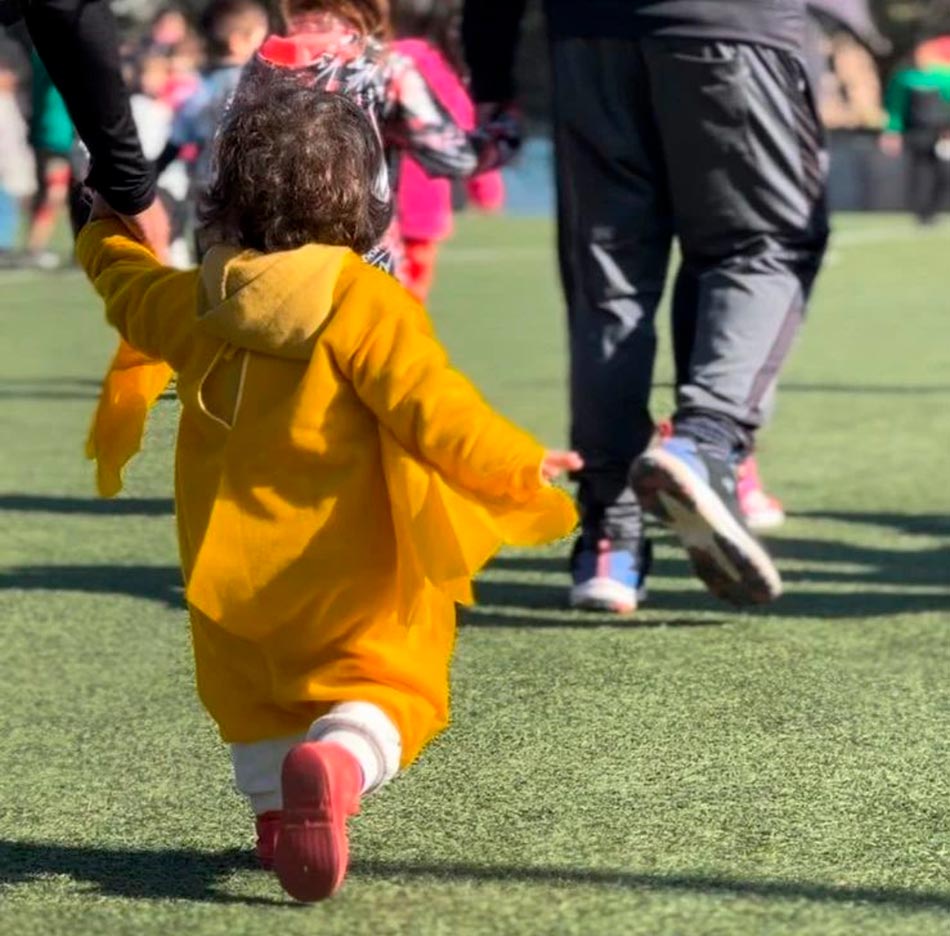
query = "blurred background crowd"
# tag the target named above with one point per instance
(880, 70)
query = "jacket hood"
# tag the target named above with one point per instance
(274, 303)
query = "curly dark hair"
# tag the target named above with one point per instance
(295, 166)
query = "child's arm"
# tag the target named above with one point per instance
(402, 374)
(152, 306)
(423, 127)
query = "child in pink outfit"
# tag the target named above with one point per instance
(424, 203)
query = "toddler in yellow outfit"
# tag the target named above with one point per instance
(337, 483)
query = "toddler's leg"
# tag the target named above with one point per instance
(257, 770)
(368, 734)
(354, 749)
(420, 267)
(257, 775)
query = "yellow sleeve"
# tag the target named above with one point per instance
(152, 306)
(386, 347)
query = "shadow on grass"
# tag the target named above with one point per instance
(54, 388)
(155, 583)
(97, 507)
(50, 381)
(49, 388)
(685, 883)
(885, 581)
(178, 874)
(822, 389)
(188, 874)
(679, 608)
(909, 524)
(557, 615)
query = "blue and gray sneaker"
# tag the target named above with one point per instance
(608, 577)
(694, 494)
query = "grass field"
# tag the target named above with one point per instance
(694, 771)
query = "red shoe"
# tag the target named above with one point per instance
(761, 511)
(322, 783)
(268, 825)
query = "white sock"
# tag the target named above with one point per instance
(368, 733)
(257, 771)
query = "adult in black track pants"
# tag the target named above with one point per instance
(77, 41)
(686, 119)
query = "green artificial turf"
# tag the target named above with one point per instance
(692, 771)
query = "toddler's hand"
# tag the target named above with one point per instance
(556, 463)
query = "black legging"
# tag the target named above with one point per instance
(929, 179)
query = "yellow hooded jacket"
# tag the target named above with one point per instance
(337, 483)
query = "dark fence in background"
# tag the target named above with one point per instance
(861, 177)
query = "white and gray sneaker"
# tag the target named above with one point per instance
(694, 495)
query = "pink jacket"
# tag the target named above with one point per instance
(424, 204)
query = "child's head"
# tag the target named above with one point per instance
(436, 21)
(294, 167)
(168, 27)
(370, 17)
(234, 29)
(150, 74)
(185, 57)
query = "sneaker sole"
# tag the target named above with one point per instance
(604, 594)
(728, 559)
(312, 849)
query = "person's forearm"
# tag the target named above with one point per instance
(77, 42)
(490, 33)
(166, 157)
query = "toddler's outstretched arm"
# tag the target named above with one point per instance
(402, 373)
(152, 306)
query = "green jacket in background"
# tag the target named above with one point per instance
(901, 88)
(50, 126)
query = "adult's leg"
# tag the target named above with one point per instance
(614, 238)
(53, 194)
(9, 219)
(942, 185)
(744, 154)
(923, 180)
(684, 309)
(420, 266)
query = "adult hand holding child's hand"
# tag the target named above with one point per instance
(149, 226)
(556, 463)
(100, 210)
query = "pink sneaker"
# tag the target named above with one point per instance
(761, 511)
(267, 826)
(321, 783)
